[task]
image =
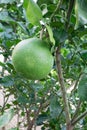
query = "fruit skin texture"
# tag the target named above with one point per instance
(32, 58)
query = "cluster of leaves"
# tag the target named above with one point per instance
(41, 101)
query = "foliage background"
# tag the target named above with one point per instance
(41, 102)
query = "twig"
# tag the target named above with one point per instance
(76, 83)
(60, 113)
(28, 112)
(76, 112)
(31, 123)
(79, 118)
(61, 81)
(5, 102)
(18, 115)
(57, 8)
(71, 4)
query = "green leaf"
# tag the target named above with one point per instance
(60, 35)
(85, 70)
(25, 4)
(41, 118)
(50, 34)
(22, 99)
(33, 12)
(7, 81)
(23, 27)
(4, 16)
(37, 86)
(10, 65)
(84, 55)
(82, 88)
(2, 64)
(6, 118)
(1, 27)
(81, 12)
(55, 108)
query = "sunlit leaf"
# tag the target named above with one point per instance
(49, 29)
(33, 12)
(2, 64)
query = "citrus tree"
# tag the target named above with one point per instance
(43, 45)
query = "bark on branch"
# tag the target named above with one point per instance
(70, 8)
(79, 118)
(63, 89)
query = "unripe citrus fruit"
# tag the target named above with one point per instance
(32, 58)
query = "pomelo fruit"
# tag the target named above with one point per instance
(32, 58)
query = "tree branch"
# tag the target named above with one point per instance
(28, 112)
(76, 112)
(71, 4)
(34, 118)
(79, 118)
(61, 81)
(76, 83)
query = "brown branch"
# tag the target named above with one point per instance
(60, 114)
(4, 104)
(76, 83)
(28, 112)
(70, 8)
(76, 112)
(31, 122)
(79, 118)
(18, 115)
(3, 128)
(61, 81)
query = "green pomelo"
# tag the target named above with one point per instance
(32, 58)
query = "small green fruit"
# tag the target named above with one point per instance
(32, 58)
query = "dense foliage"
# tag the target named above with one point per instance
(59, 100)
